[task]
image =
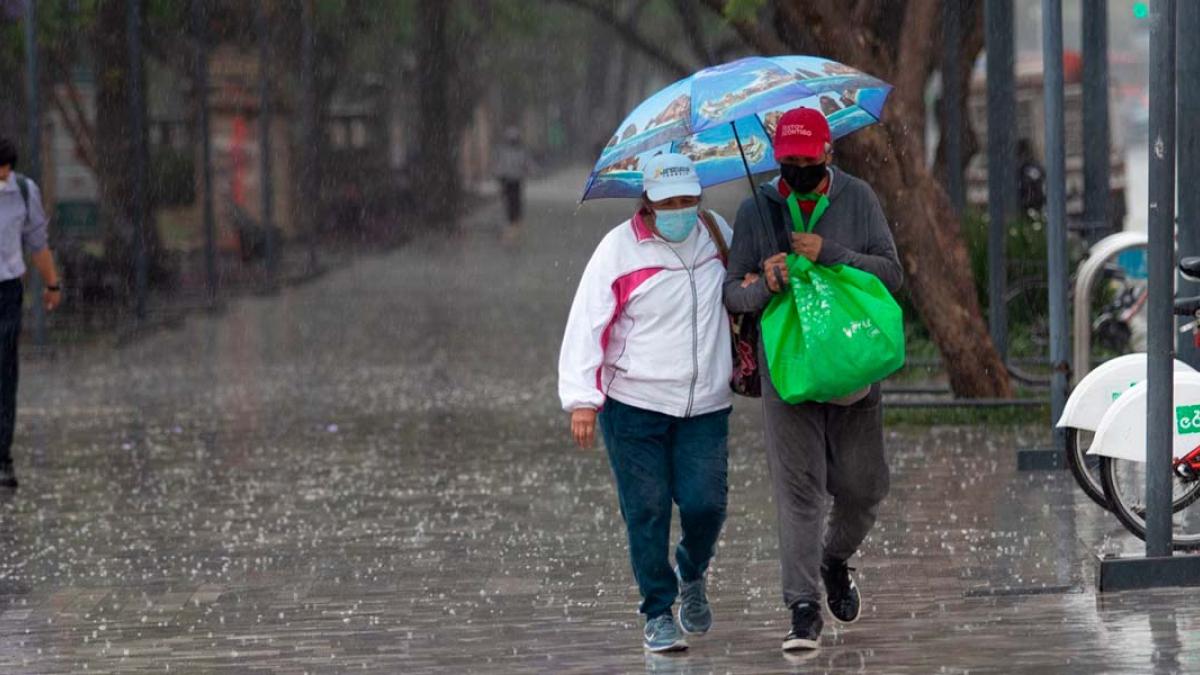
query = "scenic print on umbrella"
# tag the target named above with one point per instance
(693, 116)
(715, 151)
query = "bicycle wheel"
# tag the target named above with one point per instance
(1118, 306)
(1085, 469)
(1124, 484)
(1028, 309)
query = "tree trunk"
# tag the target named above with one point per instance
(936, 264)
(115, 148)
(970, 47)
(438, 151)
(447, 96)
(891, 158)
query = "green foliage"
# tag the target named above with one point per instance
(60, 25)
(743, 10)
(1026, 253)
(172, 177)
(1025, 249)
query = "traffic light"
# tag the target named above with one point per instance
(1141, 10)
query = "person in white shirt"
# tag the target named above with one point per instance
(647, 356)
(23, 224)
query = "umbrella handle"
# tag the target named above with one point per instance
(749, 178)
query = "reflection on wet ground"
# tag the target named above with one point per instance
(370, 473)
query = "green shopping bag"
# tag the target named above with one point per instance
(838, 329)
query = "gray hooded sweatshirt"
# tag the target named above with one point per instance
(853, 227)
(814, 449)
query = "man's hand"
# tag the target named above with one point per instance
(750, 279)
(807, 245)
(583, 427)
(51, 299)
(776, 270)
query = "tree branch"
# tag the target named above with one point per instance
(864, 12)
(628, 32)
(74, 117)
(837, 38)
(970, 46)
(914, 58)
(755, 36)
(83, 143)
(690, 22)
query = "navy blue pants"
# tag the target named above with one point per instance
(12, 293)
(658, 459)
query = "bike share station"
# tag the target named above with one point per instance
(1129, 428)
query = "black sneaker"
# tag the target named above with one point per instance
(841, 593)
(806, 627)
(8, 477)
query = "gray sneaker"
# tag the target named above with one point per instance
(662, 635)
(695, 614)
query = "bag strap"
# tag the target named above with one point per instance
(793, 202)
(714, 232)
(23, 186)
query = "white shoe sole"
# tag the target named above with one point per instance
(799, 644)
(856, 616)
(677, 646)
(843, 623)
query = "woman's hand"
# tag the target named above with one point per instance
(583, 427)
(776, 270)
(750, 279)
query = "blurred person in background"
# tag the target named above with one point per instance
(511, 169)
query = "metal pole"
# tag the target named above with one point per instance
(749, 178)
(200, 33)
(33, 161)
(1056, 212)
(137, 112)
(309, 179)
(1097, 149)
(1001, 113)
(266, 186)
(1188, 105)
(952, 100)
(1160, 423)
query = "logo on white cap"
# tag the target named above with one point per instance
(673, 172)
(670, 175)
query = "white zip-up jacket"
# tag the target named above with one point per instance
(648, 326)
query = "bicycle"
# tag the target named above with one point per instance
(1124, 481)
(1117, 329)
(1118, 308)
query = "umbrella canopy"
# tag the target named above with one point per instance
(698, 116)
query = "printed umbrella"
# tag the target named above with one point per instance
(724, 117)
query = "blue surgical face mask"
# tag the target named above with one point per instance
(675, 225)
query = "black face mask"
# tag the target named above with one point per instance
(802, 179)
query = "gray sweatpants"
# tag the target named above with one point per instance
(815, 450)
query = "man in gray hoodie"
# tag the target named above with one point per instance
(815, 449)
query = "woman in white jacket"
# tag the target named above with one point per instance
(647, 355)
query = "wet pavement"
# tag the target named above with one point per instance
(370, 473)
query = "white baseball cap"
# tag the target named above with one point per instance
(670, 175)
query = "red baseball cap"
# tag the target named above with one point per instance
(801, 132)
